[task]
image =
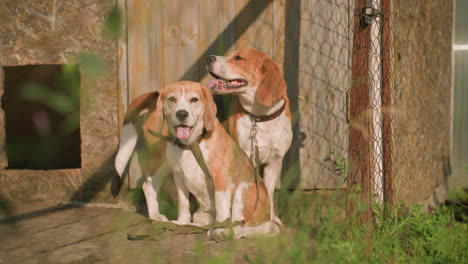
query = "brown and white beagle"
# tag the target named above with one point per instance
(189, 113)
(260, 96)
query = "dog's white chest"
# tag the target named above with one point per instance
(274, 137)
(185, 166)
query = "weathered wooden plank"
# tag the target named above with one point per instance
(145, 57)
(214, 18)
(122, 63)
(259, 34)
(324, 79)
(291, 164)
(40, 236)
(145, 60)
(278, 31)
(157, 62)
(180, 38)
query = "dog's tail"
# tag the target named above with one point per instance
(129, 137)
(127, 145)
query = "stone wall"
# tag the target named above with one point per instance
(57, 32)
(422, 99)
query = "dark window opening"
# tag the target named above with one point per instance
(42, 116)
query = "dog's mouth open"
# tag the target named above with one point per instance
(220, 84)
(183, 132)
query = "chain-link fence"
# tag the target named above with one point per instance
(345, 97)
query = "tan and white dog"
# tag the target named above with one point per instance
(189, 112)
(260, 96)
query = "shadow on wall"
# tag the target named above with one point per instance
(291, 165)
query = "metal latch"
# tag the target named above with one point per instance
(370, 12)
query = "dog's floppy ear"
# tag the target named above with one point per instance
(273, 85)
(160, 110)
(209, 116)
(156, 117)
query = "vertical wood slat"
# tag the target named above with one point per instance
(292, 29)
(279, 15)
(158, 47)
(122, 63)
(145, 61)
(144, 75)
(214, 18)
(180, 39)
(259, 34)
(324, 78)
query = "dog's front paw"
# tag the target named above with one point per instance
(181, 222)
(159, 218)
(202, 218)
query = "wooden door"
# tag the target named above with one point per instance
(324, 80)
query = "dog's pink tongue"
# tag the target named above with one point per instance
(215, 84)
(183, 132)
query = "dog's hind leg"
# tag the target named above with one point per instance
(151, 189)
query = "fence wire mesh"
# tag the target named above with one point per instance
(380, 88)
(345, 99)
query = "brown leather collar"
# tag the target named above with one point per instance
(266, 118)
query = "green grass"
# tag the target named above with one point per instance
(323, 234)
(318, 230)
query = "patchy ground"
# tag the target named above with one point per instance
(51, 233)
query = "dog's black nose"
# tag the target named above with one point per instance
(181, 115)
(210, 59)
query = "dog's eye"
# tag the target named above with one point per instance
(194, 100)
(171, 99)
(237, 57)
